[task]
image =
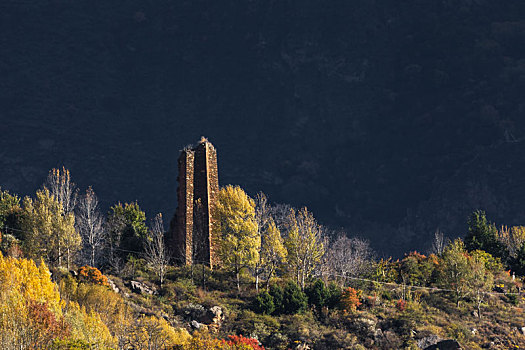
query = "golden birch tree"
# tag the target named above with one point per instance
(50, 232)
(305, 244)
(238, 241)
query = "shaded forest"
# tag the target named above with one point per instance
(387, 119)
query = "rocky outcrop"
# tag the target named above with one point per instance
(113, 286)
(200, 316)
(428, 341)
(141, 288)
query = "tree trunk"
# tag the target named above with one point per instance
(257, 278)
(203, 277)
(237, 273)
(92, 256)
(59, 256)
(269, 277)
(67, 258)
(479, 304)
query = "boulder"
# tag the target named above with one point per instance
(427, 341)
(212, 316)
(195, 312)
(113, 286)
(141, 288)
(198, 325)
(217, 315)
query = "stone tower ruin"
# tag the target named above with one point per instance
(193, 224)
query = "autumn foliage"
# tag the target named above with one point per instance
(401, 305)
(239, 342)
(93, 275)
(33, 314)
(350, 299)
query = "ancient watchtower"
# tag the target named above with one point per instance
(193, 224)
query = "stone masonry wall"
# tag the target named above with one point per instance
(213, 193)
(183, 231)
(198, 186)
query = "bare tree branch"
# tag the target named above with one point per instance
(156, 253)
(60, 186)
(90, 225)
(438, 244)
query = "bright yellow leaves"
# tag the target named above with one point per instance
(88, 326)
(29, 303)
(50, 231)
(238, 241)
(304, 244)
(32, 314)
(23, 277)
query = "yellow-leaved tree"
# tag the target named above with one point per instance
(31, 314)
(273, 251)
(150, 332)
(305, 244)
(237, 240)
(88, 327)
(50, 231)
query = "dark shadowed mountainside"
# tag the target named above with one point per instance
(390, 119)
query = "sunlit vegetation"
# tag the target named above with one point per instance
(282, 281)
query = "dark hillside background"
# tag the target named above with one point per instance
(388, 118)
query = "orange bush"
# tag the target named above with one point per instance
(401, 305)
(350, 299)
(93, 275)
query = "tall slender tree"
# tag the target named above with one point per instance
(273, 252)
(238, 240)
(61, 187)
(156, 252)
(262, 218)
(50, 231)
(305, 244)
(90, 225)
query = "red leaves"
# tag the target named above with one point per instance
(241, 342)
(44, 326)
(401, 305)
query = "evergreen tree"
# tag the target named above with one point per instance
(483, 235)
(127, 231)
(294, 299)
(317, 293)
(263, 303)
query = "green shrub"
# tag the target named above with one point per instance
(317, 294)
(386, 295)
(294, 299)
(277, 293)
(333, 296)
(513, 299)
(458, 332)
(263, 303)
